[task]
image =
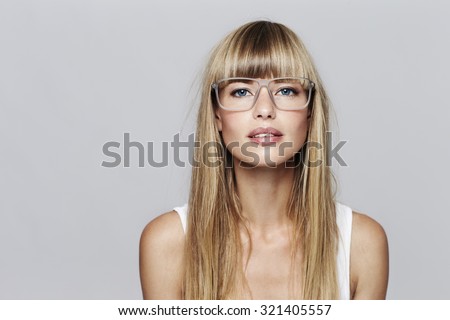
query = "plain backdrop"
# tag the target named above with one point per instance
(77, 74)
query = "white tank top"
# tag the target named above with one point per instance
(344, 222)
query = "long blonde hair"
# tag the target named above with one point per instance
(213, 253)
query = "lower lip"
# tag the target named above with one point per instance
(268, 140)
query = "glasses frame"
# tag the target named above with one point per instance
(263, 83)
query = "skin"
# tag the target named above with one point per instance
(263, 191)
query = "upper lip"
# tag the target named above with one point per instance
(261, 130)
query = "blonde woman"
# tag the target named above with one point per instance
(262, 221)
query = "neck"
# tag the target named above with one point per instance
(264, 194)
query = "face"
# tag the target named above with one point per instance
(263, 136)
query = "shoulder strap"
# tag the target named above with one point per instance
(344, 217)
(182, 213)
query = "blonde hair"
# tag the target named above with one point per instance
(213, 252)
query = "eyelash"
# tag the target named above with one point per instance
(234, 92)
(292, 91)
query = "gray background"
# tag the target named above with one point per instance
(77, 74)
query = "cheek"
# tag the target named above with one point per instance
(232, 128)
(299, 132)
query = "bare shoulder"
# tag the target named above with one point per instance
(165, 229)
(369, 258)
(160, 257)
(366, 230)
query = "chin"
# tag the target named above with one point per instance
(261, 161)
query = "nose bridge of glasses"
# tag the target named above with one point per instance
(264, 83)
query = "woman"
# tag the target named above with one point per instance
(262, 221)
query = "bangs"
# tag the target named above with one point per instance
(262, 50)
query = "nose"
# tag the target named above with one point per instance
(264, 106)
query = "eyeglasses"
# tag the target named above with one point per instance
(240, 94)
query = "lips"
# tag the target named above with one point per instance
(265, 136)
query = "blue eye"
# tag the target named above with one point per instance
(240, 93)
(287, 91)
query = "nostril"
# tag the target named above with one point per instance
(265, 115)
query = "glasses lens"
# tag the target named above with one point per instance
(240, 93)
(237, 94)
(290, 93)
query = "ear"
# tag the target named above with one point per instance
(218, 119)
